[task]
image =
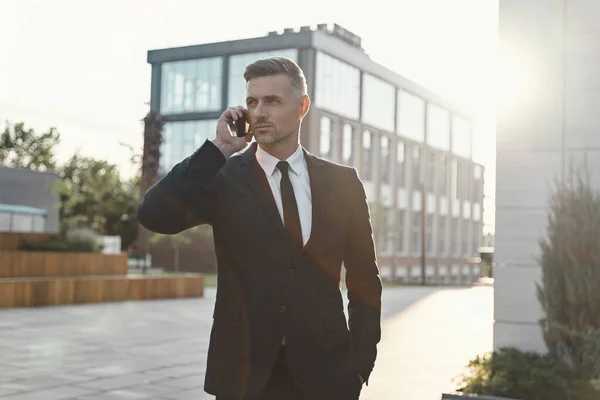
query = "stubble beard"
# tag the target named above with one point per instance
(271, 138)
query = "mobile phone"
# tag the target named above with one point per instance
(240, 127)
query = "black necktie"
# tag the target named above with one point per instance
(291, 219)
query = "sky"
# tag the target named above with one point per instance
(80, 65)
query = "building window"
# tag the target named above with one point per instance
(378, 103)
(400, 157)
(455, 189)
(367, 159)
(191, 86)
(462, 181)
(385, 233)
(410, 116)
(236, 95)
(326, 138)
(465, 237)
(415, 241)
(438, 127)
(476, 237)
(400, 222)
(181, 139)
(417, 177)
(461, 137)
(429, 244)
(386, 160)
(443, 176)
(454, 236)
(431, 173)
(468, 182)
(337, 86)
(477, 183)
(443, 226)
(348, 145)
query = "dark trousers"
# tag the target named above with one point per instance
(280, 386)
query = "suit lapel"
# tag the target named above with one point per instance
(256, 179)
(320, 193)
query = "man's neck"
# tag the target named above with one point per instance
(281, 151)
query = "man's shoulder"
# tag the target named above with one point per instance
(333, 166)
(236, 159)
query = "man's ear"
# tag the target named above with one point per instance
(304, 106)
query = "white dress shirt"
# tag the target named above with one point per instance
(298, 172)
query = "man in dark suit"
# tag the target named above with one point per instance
(284, 221)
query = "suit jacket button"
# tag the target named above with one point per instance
(282, 309)
(291, 273)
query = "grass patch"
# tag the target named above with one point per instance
(210, 280)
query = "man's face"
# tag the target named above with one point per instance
(274, 109)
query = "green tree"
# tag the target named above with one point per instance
(570, 262)
(93, 195)
(21, 147)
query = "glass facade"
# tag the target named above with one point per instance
(378, 103)
(443, 176)
(378, 139)
(348, 145)
(461, 137)
(191, 86)
(431, 172)
(417, 177)
(400, 223)
(415, 243)
(386, 160)
(442, 234)
(236, 95)
(367, 156)
(326, 138)
(454, 179)
(429, 244)
(181, 139)
(411, 116)
(454, 236)
(438, 127)
(337, 86)
(401, 164)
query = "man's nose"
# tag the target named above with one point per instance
(260, 111)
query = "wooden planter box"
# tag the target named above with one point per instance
(35, 292)
(32, 264)
(14, 241)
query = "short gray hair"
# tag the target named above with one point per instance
(277, 65)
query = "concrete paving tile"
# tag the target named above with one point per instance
(55, 393)
(157, 349)
(117, 382)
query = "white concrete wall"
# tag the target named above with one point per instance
(550, 120)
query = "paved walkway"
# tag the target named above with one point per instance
(157, 349)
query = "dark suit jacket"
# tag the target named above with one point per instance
(265, 290)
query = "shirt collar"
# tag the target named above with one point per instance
(269, 163)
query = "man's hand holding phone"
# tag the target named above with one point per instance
(227, 139)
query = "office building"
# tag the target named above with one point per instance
(27, 203)
(398, 135)
(550, 121)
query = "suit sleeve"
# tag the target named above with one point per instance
(362, 280)
(184, 197)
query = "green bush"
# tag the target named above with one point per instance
(84, 239)
(78, 240)
(570, 262)
(512, 373)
